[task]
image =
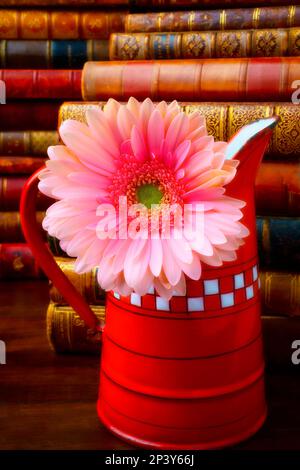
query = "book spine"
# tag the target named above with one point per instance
(10, 227)
(86, 284)
(19, 165)
(25, 143)
(252, 79)
(17, 263)
(202, 3)
(278, 242)
(73, 3)
(38, 115)
(41, 84)
(41, 24)
(223, 120)
(203, 45)
(51, 54)
(10, 194)
(277, 189)
(157, 4)
(280, 293)
(67, 333)
(208, 20)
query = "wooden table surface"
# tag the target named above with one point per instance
(47, 401)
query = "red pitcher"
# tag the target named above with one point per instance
(187, 373)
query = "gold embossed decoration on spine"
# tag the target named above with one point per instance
(286, 139)
(67, 333)
(280, 293)
(85, 283)
(205, 44)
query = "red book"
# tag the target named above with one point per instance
(277, 189)
(42, 84)
(31, 115)
(10, 194)
(243, 79)
(20, 165)
(17, 262)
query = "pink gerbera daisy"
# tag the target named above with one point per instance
(154, 155)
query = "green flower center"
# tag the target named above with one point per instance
(149, 194)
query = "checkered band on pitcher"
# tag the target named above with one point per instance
(205, 295)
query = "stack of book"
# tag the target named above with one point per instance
(234, 65)
(24, 139)
(42, 51)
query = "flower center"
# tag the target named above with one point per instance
(149, 183)
(149, 194)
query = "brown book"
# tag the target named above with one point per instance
(10, 226)
(223, 120)
(277, 189)
(31, 143)
(43, 24)
(85, 283)
(205, 45)
(73, 3)
(208, 20)
(67, 333)
(19, 165)
(244, 79)
(142, 3)
(280, 291)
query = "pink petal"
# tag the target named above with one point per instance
(181, 153)
(180, 248)
(138, 144)
(196, 121)
(91, 257)
(89, 179)
(192, 270)
(126, 148)
(156, 256)
(155, 132)
(78, 138)
(134, 106)
(177, 131)
(102, 132)
(126, 121)
(145, 112)
(111, 112)
(170, 266)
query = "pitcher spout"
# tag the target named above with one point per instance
(248, 147)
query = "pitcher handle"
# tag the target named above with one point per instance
(44, 258)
